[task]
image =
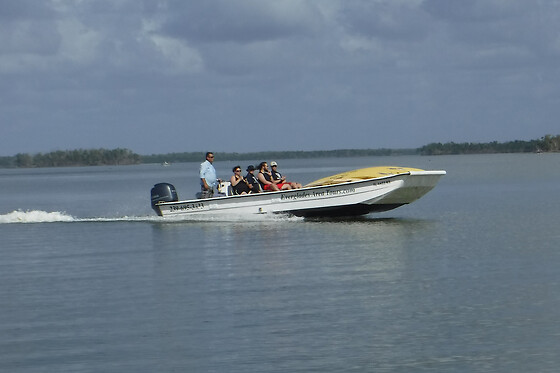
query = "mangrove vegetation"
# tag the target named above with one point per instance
(99, 157)
(547, 143)
(66, 158)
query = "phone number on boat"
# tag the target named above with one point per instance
(188, 207)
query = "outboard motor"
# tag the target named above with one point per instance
(163, 192)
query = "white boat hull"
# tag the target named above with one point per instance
(343, 199)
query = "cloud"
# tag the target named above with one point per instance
(477, 10)
(105, 36)
(497, 32)
(27, 35)
(25, 10)
(390, 21)
(430, 69)
(243, 21)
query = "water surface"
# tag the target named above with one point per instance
(464, 280)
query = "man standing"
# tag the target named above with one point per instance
(208, 179)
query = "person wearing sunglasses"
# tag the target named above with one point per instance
(277, 176)
(252, 179)
(239, 184)
(267, 183)
(208, 178)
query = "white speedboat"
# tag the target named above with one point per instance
(351, 193)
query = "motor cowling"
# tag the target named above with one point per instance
(163, 192)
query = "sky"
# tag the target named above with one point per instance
(161, 76)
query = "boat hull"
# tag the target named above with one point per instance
(343, 199)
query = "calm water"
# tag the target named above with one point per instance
(466, 279)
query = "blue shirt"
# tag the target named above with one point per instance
(208, 172)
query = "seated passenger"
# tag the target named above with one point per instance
(239, 184)
(252, 180)
(278, 176)
(267, 183)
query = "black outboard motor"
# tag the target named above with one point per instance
(163, 192)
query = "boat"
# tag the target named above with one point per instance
(357, 192)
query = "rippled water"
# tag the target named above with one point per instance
(464, 280)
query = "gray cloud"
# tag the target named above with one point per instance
(390, 21)
(328, 74)
(247, 21)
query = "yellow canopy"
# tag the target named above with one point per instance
(361, 174)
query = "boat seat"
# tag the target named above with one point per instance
(225, 189)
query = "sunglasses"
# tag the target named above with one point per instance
(237, 170)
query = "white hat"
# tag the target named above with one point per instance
(273, 163)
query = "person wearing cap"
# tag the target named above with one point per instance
(252, 180)
(277, 176)
(267, 183)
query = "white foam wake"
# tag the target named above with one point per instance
(35, 216)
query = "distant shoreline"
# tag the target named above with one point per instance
(101, 157)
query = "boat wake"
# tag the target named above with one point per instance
(37, 216)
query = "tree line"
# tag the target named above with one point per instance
(99, 157)
(547, 143)
(225, 156)
(66, 158)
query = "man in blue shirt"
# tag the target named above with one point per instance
(208, 179)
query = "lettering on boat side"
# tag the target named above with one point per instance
(382, 182)
(187, 207)
(315, 194)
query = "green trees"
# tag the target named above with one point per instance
(545, 144)
(81, 157)
(119, 156)
(258, 156)
(550, 143)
